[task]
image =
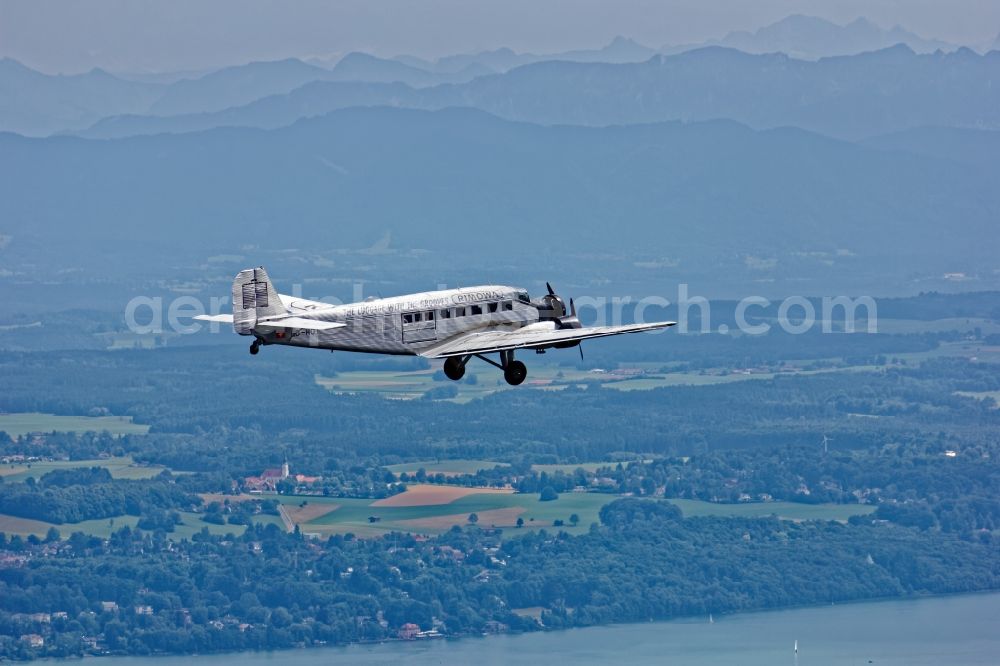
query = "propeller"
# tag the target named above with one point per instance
(554, 303)
(572, 321)
(551, 307)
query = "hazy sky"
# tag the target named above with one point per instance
(163, 35)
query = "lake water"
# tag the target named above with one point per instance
(945, 630)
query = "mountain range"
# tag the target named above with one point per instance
(798, 36)
(849, 96)
(34, 103)
(619, 50)
(809, 37)
(718, 194)
(236, 86)
(37, 104)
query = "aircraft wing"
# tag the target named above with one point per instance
(279, 322)
(528, 337)
(299, 322)
(220, 318)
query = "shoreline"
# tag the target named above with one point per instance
(465, 638)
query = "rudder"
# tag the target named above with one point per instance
(254, 297)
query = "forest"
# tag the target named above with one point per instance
(70, 496)
(140, 593)
(897, 422)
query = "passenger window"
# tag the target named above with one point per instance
(429, 315)
(408, 318)
(492, 306)
(507, 306)
(444, 314)
(459, 312)
(477, 309)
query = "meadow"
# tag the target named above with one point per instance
(569, 468)
(410, 512)
(982, 395)
(16, 425)
(446, 467)
(120, 468)
(494, 509)
(410, 385)
(190, 525)
(428, 509)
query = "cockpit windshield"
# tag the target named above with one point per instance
(523, 297)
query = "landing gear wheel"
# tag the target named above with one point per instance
(515, 372)
(454, 369)
(254, 347)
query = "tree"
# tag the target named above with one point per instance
(473, 518)
(574, 519)
(548, 494)
(280, 617)
(520, 522)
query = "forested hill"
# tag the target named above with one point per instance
(713, 193)
(587, 423)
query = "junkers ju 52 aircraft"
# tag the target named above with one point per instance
(453, 324)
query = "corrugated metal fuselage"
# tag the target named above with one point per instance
(405, 324)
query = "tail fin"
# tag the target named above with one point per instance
(254, 297)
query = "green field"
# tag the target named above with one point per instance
(103, 527)
(653, 381)
(349, 515)
(411, 385)
(123, 340)
(982, 395)
(16, 425)
(352, 514)
(446, 467)
(569, 468)
(967, 349)
(884, 325)
(408, 385)
(785, 510)
(120, 468)
(192, 524)
(414, 384)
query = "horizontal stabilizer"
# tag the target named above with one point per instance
(221, 318)
(300, 322)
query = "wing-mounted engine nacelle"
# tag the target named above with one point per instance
(552, 307)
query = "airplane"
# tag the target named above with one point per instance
(456, 325)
